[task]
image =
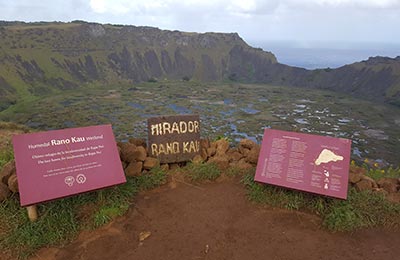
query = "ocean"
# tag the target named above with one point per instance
(326, 55)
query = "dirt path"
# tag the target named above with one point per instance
(216, 221)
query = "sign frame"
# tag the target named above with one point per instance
(60, 163)
(305, 162)
(174, 138)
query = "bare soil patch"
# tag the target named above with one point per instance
(216, 221)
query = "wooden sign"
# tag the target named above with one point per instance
(174, 138)
(312, 163)
(61, 163)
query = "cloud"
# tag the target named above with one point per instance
(165, 6)
(243, 8)
(121, 7)
(155, 7)
(358, 3)
(323, 4)
(252, 19)
(45, 10)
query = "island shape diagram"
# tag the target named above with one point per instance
(327, 156)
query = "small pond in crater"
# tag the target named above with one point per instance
(233, 110)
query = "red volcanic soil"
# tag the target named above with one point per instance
(216, 221)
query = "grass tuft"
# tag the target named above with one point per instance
(153, 179)
(61, 220)
(361, 209)
(106, 213)
(377, 173)
(56, 225)
(5, 156)
(202, 171)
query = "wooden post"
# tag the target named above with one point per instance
(32, 213)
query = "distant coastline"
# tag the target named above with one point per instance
(326, 55)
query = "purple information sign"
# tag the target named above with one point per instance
(311, 163)
(61, 163)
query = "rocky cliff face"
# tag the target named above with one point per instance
(377, 78)
(7, 94)
(41, 58)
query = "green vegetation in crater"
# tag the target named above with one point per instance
(226, 109)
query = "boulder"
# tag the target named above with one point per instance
(222, 146)
(373, 182)
(222, 161)
(13, 183)
(131, 152)
(134, 169)
(252, 155)
(7, 171)
(363, 185)
(197, 159)
(204, 143)
(366, 183)
(394, 197)
(140, 154)
(204, 153)
(150, 163)
(4, 191)
(356, 174)
(244, 151)
(243, 165)
(128, 151)
(138, 142)
(234, 155)
(213, 145)
(388, 184)
(354, 177)
(246, 143)
(211, 151)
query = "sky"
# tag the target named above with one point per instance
(302, 21)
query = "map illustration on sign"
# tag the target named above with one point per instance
(317, 164)
(327, 156)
